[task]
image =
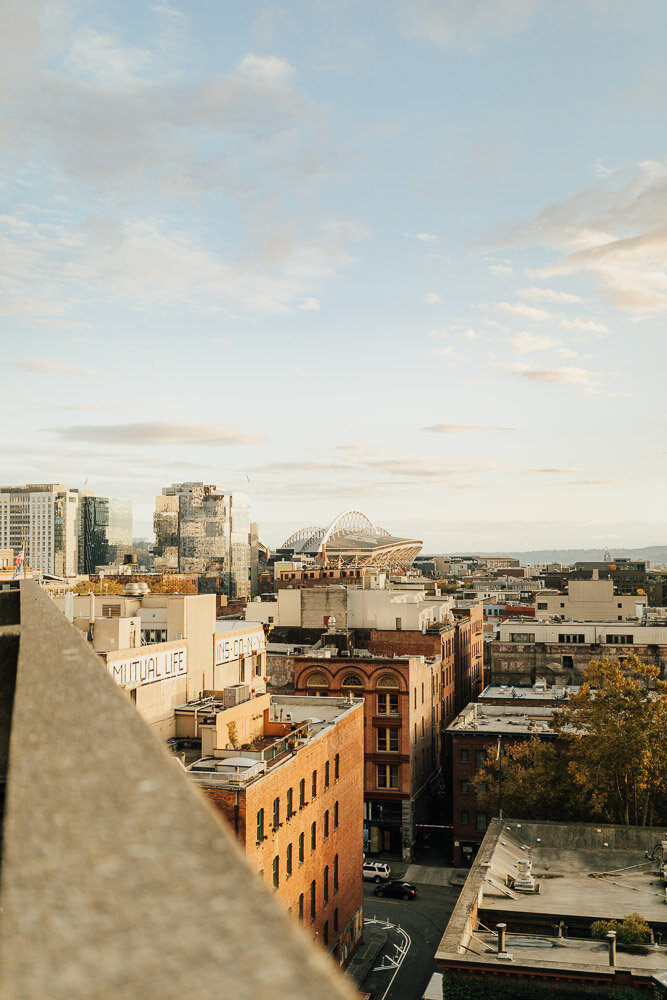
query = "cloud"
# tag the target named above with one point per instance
(500, 269)
(554, 471)
(42, 366)
(548, 295)
(584, 324)
(614, 233)
(157, 433)
(525, 342)
(432, 298)
(466, 23)
(267, 69)
(582, 378)
(448, 352)
(462, 428)
(427, 238)
(309, 305)
(522, 311)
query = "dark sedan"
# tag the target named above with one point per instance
(399, 890)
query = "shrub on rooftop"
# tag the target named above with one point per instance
(633, 929)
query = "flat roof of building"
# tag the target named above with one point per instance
(229, 624)
(584, 871)
(510, 720)
(536, 692)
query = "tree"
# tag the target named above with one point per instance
(615, 728)
(633, 929)
(535, 782)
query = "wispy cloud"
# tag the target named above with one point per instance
(310, 305)
(43, 366)
(525, 342)
(467, 24)
(564, 471)
(548, 295)
(432, 298)
(614, 233)
(463, 428)
(500, 269)
(522, 311)
(581, 378)
(157, 433)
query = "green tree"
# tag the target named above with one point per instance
(615, 729)
(535, 780)
(633, 929)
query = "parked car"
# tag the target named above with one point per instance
(376, 871)
(399, 890)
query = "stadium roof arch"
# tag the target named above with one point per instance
(353, 539)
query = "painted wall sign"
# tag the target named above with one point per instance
(149, 668)
(232, 648)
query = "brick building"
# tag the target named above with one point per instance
(469, 676)
(477, 729)
(287, 775)
(402, 738)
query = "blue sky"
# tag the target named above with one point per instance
(407, 256)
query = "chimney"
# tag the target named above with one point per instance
(611, 941)
(501, 938)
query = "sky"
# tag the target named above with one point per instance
(402, 256)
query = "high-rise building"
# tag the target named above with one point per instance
(203, 529)
(41, 519)
(104, 531)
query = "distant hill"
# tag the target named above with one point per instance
(655, 554)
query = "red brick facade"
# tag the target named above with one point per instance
(402, 736)
(321, 840)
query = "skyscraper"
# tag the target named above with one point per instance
(42, 519)
(104, 531)
(208, 529)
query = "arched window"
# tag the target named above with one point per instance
(352, 680)
(317, 680)
(387, 681)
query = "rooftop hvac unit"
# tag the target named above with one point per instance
(235, 694)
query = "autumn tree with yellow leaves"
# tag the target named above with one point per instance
(609, 762)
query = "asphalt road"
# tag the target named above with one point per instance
(405, 965)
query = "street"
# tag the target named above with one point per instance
(414, 928)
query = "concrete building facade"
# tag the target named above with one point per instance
(559, 652)
(42, 518)
(591, 600)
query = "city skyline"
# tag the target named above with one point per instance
(404, 257)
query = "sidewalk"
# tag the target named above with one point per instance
(375, 938)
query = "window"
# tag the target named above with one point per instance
(352, 681)
(387, 776)
(325, 932)
(399, 624)
(337, 767)
(335, 815)
(276, 872)
(288, 861)
(302, 793)
(480, 821)
(318, 681)
(567, 637)
(290, 802)
(301, 907)
(480, 758)
(619, 640)
(313, 836)
(522, 637)
(260, 826)
(325, 886)
(542, 605)
(314, 785)
(463, 756)
(387, 681)
(465, 817)
(276, 813)
(326, 774)
(242, 670)
(312, 901)
(326, 823)
(387, 740)
(465, 787)
(335, 921)
(568, 662)
(301, 848)
(387, 704)
(335, 875)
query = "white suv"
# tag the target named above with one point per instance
(376, 871)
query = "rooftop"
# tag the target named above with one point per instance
(500, 719)
(539, 691)
(582, 872)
